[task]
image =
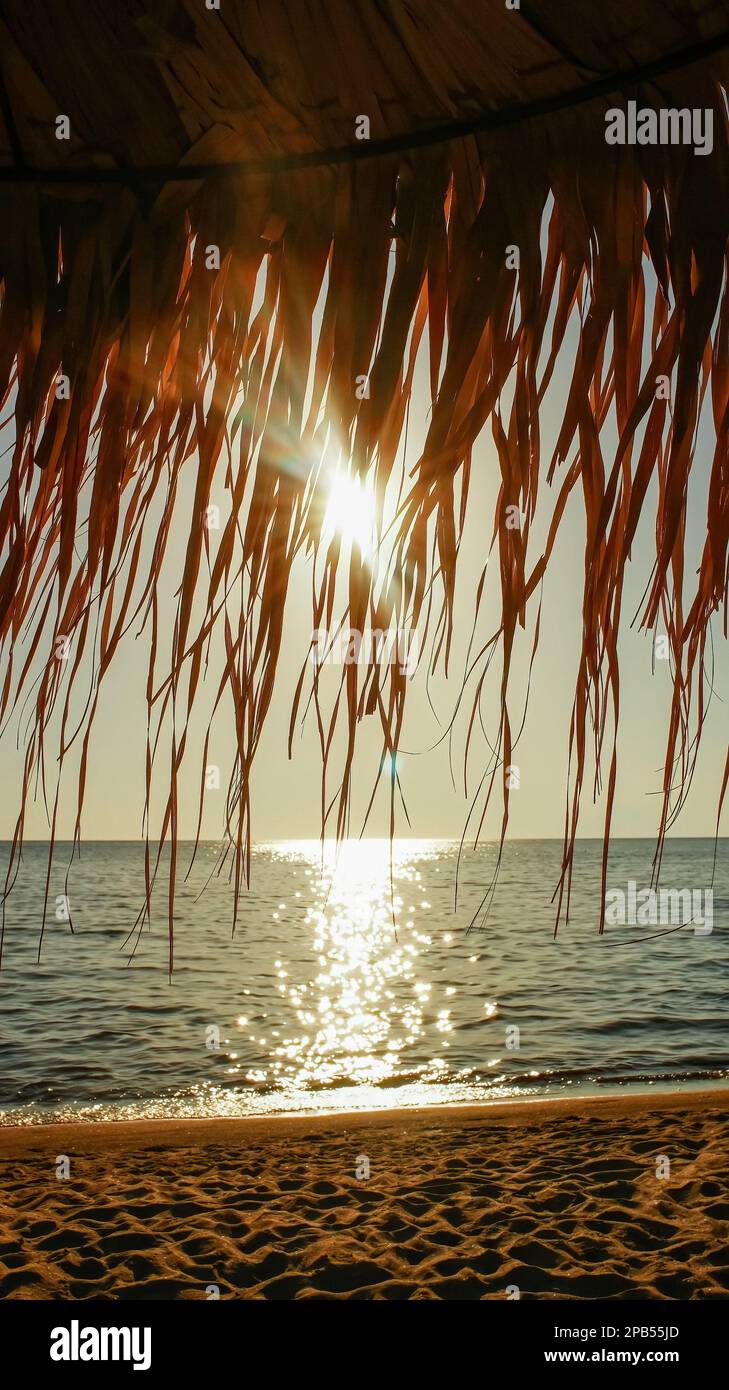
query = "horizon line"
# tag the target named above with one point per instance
(357, 839)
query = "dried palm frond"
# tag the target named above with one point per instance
(107, 282)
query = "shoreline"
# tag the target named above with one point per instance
(565, 1198)
(169, 1126)
(213, 1128)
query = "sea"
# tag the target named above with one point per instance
(356, 977)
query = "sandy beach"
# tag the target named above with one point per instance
(560, 1199)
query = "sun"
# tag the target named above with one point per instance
(350, 511)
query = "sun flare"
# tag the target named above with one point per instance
(350, 511)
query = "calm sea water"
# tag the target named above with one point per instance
(321, 1001)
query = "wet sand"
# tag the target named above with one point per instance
(557, 1199)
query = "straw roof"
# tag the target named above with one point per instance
(108, 285)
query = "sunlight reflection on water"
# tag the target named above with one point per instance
(350, 983)
(354, 1023)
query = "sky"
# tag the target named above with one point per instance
(287, 793)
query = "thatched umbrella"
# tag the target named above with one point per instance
(154, 156)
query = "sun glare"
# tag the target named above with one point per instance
(350, 511)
